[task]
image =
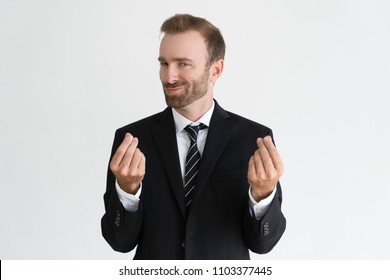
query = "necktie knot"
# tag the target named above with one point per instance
(193, 131)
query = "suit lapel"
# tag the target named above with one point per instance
(218, 135)
(164, 133)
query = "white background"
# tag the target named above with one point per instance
(316, 72)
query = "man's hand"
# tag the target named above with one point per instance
(128, 165)
(264, 169)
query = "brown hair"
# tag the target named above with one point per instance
(181, 23)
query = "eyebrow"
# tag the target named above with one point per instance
(175, 59)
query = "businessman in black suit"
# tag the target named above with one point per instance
(194, 181)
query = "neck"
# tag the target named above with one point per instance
(195, 110)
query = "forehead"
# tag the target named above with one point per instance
(190, 45)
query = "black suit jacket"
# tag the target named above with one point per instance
(219, 224)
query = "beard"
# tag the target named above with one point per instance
(192, 91)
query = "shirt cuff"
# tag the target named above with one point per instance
(258, 209)
(129, 201)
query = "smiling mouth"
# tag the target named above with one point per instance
(173, 89)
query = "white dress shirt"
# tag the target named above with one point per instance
(130, 202)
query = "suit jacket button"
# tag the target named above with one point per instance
(266, 229)
(117, 218)
(183, 244)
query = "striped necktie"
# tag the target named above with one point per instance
(192, 162)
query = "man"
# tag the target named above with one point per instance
(194, 181)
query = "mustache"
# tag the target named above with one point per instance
(176, 84)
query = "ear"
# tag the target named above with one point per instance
(216, 70)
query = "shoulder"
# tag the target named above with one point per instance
(241, 123)
(145, 123)
(142, 129)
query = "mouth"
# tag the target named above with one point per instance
(173, 90)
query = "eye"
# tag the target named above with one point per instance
(163, 64)
(183, 64)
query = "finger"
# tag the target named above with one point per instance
(258, 158)
(142, 164)
(252, 175)
(274, 154)
(135, 161)
(266, 159)
(128, 156)
(120, 152)
(137, 167)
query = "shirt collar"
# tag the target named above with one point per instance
(181, 122)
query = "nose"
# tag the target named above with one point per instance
(169, 74)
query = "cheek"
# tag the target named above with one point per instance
(163, 75)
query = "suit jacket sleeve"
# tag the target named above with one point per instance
(263, 235)
(120, 228)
